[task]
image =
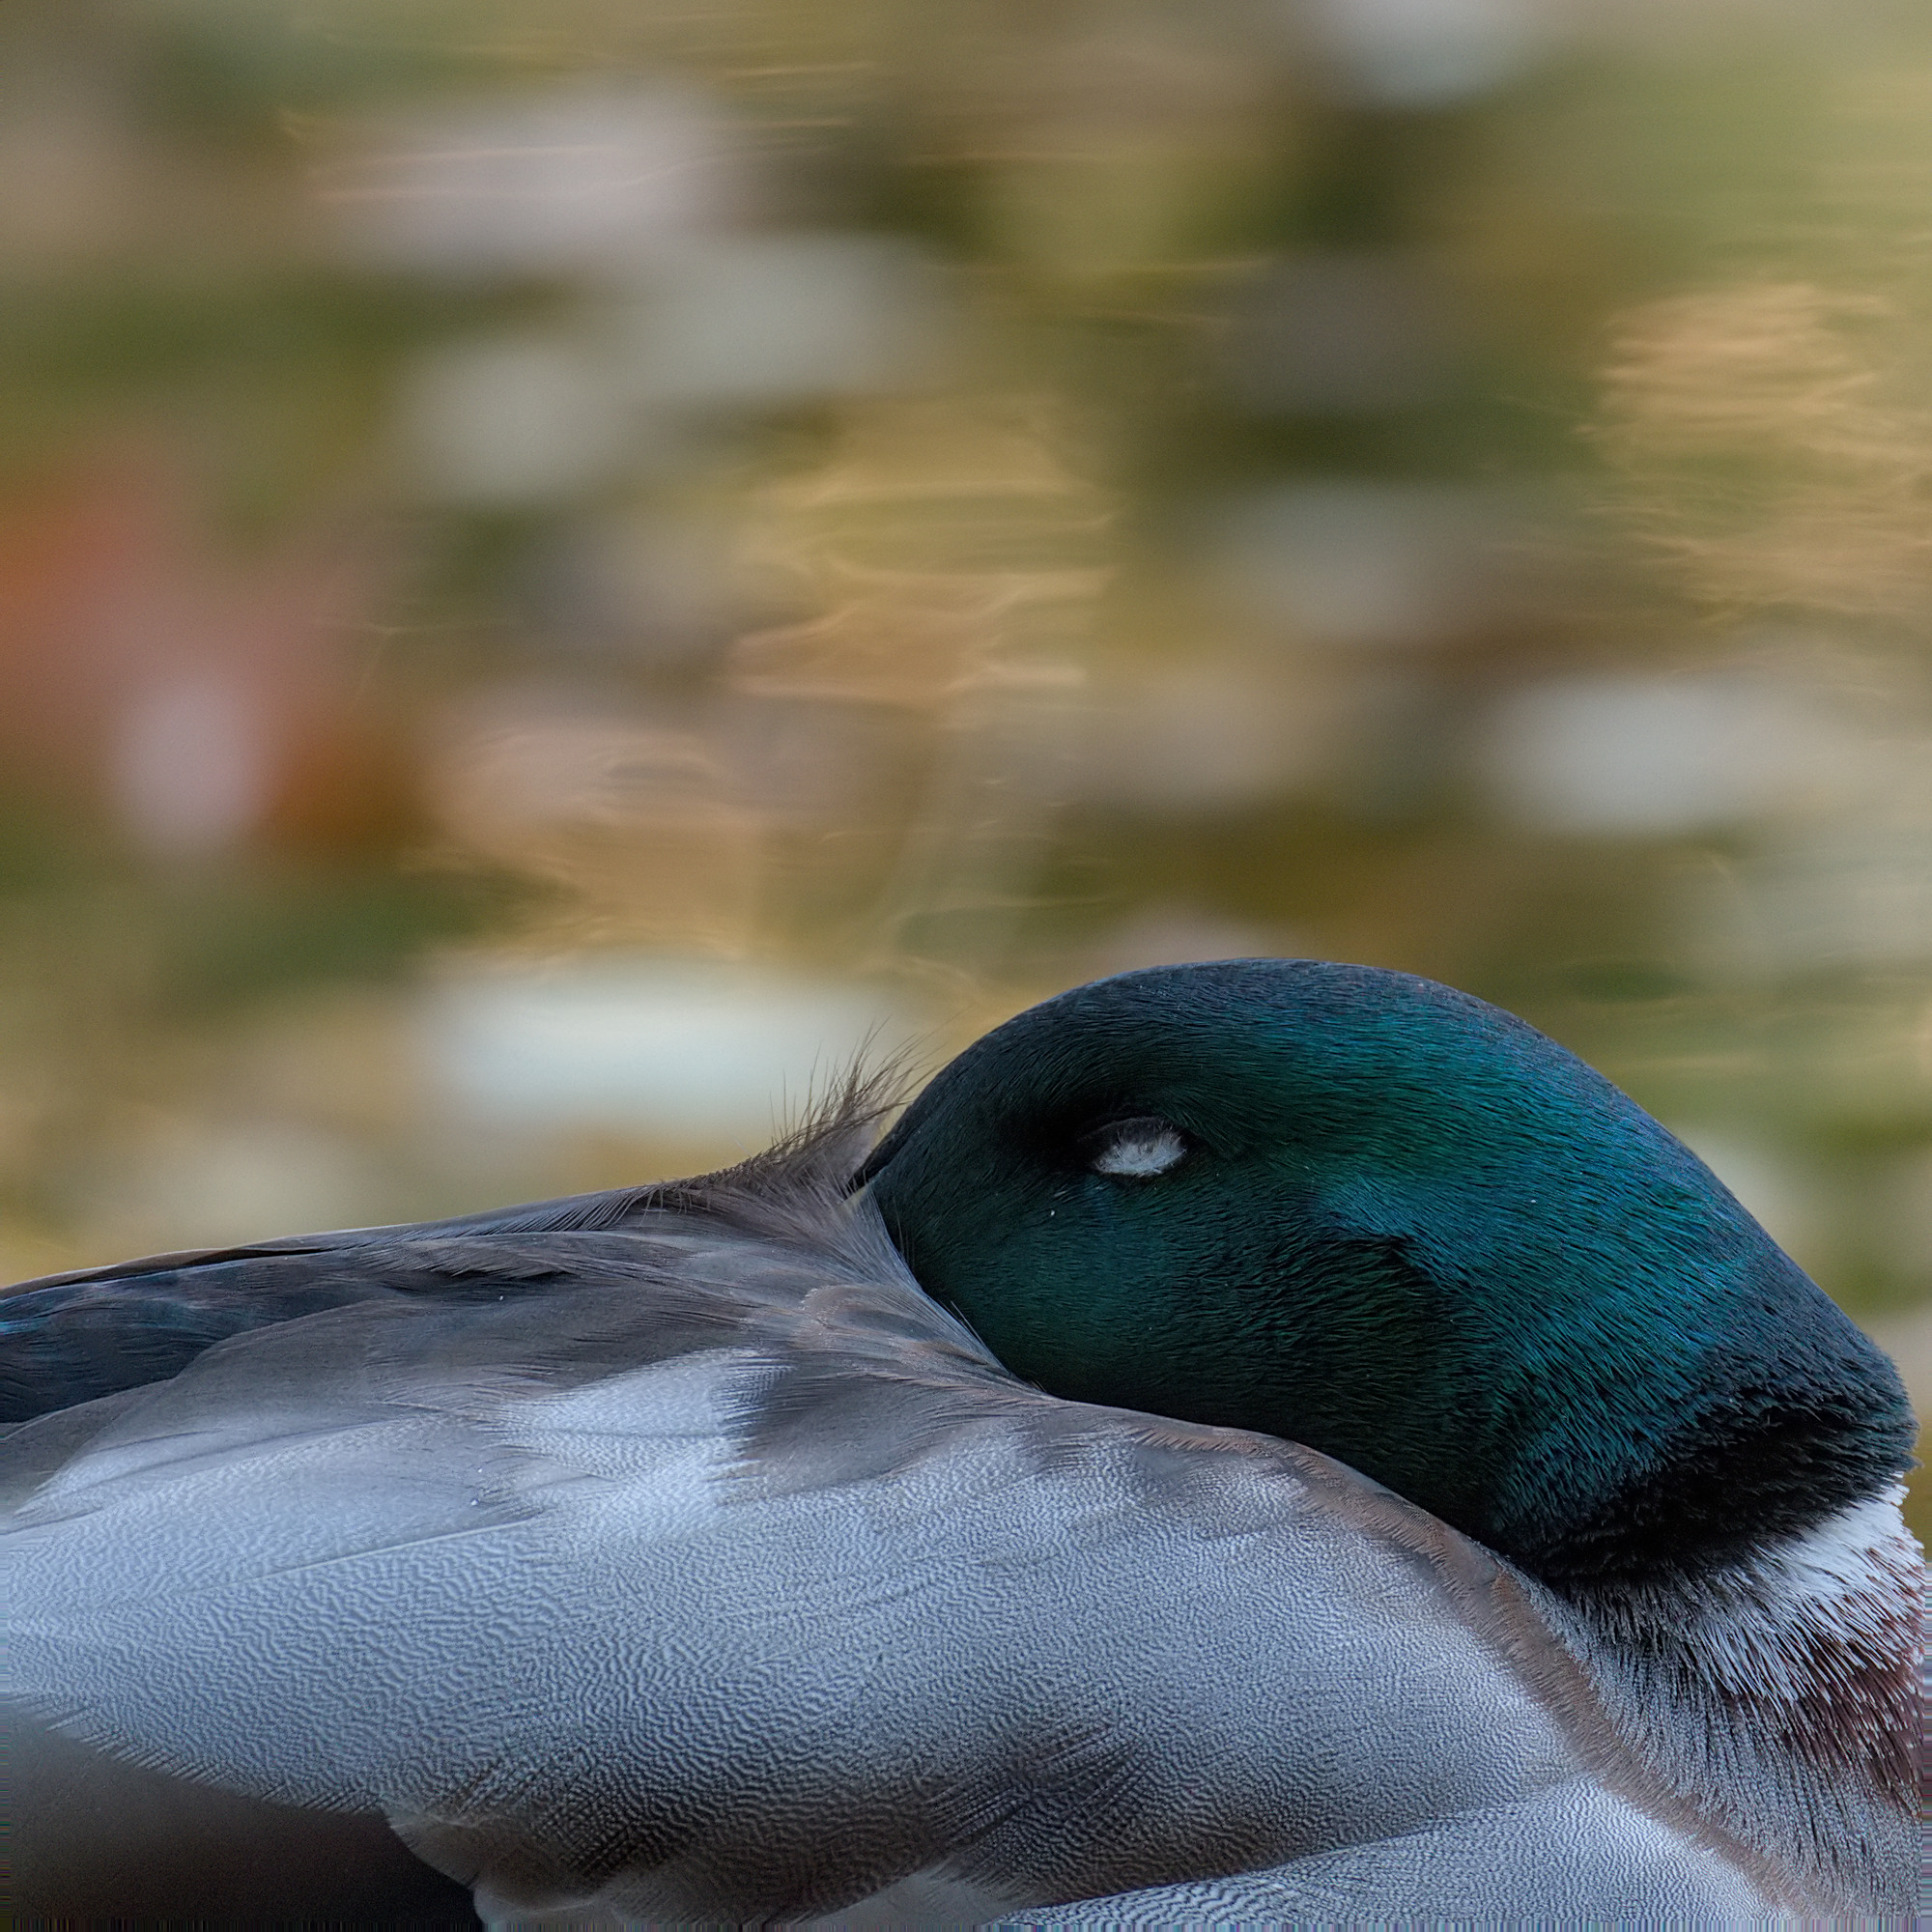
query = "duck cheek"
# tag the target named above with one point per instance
(1344, 1343)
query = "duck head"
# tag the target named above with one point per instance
(1371, 1214)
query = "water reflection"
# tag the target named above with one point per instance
(556, 571)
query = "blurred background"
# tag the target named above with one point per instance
(565, 564)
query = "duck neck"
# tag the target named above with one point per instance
(1778, 1695)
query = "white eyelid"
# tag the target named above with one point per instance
(1140, 1148)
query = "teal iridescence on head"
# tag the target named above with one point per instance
(1402, 1226)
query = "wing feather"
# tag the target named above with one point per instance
(728, 1577)
(68, 1339)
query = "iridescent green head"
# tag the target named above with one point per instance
(1369, 1213)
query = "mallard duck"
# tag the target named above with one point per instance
(1269, 1440)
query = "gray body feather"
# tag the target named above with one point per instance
(696, 1566)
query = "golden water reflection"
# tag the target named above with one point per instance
(561, 567)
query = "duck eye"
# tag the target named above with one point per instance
(1138, 1149)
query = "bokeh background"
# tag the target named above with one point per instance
(566, 563)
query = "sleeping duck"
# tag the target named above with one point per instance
(1260, 1441)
